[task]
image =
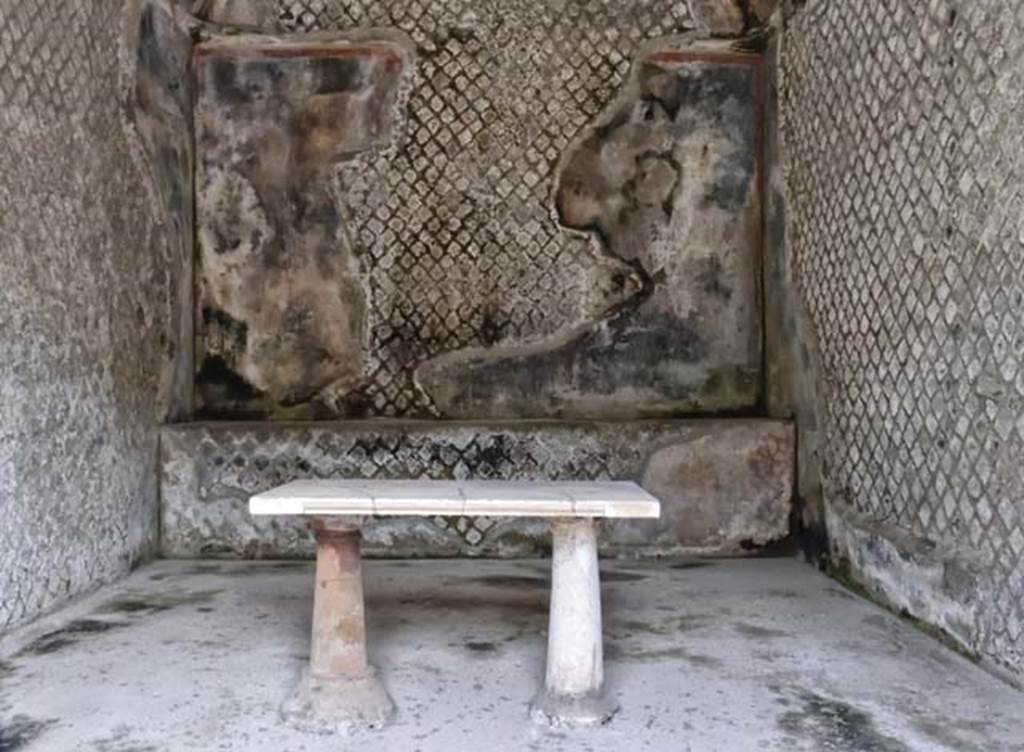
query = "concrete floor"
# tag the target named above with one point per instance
(727, 655)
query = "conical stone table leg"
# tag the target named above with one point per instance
(573, 692)
(340, 691)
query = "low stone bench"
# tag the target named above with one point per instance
(341, 691)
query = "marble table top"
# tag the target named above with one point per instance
(490, 498)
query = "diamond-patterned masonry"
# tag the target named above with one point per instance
(89, 281)
(724, 486)
(906, 188)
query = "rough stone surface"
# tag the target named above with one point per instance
(460, 284)
(718, 17)
(738, 498)
(88, 305)
(901, 127)
(727, 487)
(763, 655)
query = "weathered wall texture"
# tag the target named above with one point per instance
(88, 295)
(519, 230)
(902, 129)
(725, 486)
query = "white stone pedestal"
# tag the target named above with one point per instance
(340, 691)
(573, 692)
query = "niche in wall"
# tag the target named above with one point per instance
(387, 233)
(460, 219)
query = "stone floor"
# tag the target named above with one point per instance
(726, 655)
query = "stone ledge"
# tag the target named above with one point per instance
(725, 485)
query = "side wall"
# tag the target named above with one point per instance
(87, 285)
(905, 182)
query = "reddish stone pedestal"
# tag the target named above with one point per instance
(340, 691)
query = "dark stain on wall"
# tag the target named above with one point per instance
(712, 279)
(333, 76)
(219, 384)
(282, 299)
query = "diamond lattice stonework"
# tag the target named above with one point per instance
(906, 181)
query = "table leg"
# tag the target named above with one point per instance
(340, 691)
(573, 692)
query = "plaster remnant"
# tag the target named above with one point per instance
(161, 115)
(731, 17)
(281, 292)
(936, 581)
(246, 13)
